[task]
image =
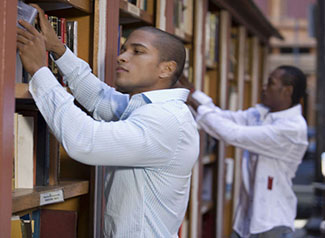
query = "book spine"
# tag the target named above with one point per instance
(42, 158)
(24, 173)
(75, 38)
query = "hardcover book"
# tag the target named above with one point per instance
(25, 12)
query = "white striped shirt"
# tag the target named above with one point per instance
(274, 144)
(149, 141)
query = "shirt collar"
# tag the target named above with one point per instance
(292, 111)
(164, 95)
(263, 110)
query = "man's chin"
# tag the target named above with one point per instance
(119, 86)
(121, 89)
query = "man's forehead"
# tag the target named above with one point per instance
(141, 37)
(277, 73)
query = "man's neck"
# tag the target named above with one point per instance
(282, 108)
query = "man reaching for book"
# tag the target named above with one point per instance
(145, 133)
(273, 136)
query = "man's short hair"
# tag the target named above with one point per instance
(295, 77)
(170, 49)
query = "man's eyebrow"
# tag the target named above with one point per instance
(134, 45)
(138, 45)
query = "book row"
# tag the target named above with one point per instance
(36, 152)
(45, 223)
(67, 31)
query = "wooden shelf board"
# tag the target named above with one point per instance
(129, 14)
(24, 199)
(183, 36)
(21, 91)
(247, 78)
(81, 5)
(211, 65)
(209, 159)
(206, 206)
(231, 76)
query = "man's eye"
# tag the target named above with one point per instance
(138, 51)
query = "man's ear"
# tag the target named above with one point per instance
(167, 69)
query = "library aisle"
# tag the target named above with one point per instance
(228, 46)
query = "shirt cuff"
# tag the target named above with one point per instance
(202, 111)
(201, 97)
(67, 62)
(42, 82)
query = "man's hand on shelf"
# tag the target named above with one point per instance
(52, 43)
(31, 45)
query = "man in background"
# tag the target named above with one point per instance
(144, 131)
(273, 136)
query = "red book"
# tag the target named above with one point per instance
(63, 30)
(58, 223)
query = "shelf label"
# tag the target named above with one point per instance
(133, 9)
(51, 197)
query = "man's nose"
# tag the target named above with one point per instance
(122, 58)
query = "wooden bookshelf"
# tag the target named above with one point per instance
(130, 14)
(209, 159)
(237, 23)
(24, 199)
(211, 65)
(247, 78)
(231, 76)
(21, 91)
(206, 206)
(183, 36)
(84, 6)
(7, 102)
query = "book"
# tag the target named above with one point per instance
(58, 223)
(72, 35)
(207, 184)
(54, 160)
(36, 216)
(42, 140)
(19, 69)
(27, 225)
(75, 38)
(25, 12)
(16, 231)
(14, 167)
(24, 163)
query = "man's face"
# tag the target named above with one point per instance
(138, 64)
(274, 95)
